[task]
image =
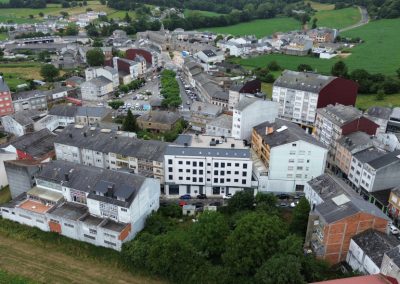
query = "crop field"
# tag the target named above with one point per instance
(259, 28)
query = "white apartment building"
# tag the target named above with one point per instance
(96, 88)
(110, 149)
(107, 72)
(207, 165)
(249, 112)
(209, 57)
(102, 207)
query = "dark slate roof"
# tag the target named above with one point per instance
(394, 255)
(76, 79)
(304, 81)
(36, 144)
(379, 112)
(182, 139)
(91, 111)
(340, 114)
(167, 117)
(292, 133)
(27, 117)
(375, 244)
(63, 110)
(90, 179)
(329, 188)
(70, 211)
(385, 160)
(209, 53)
(207, 152)
(3, 85)
(111, 141)
(369, 154)
(27, 95)
(355, 140)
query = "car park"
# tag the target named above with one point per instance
(283, 196)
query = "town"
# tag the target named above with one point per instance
(126, 139)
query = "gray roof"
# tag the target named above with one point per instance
(36, 143)
(394, 255)
(90, 179)
(26, 117)
(245, 102)
(222, 121)
(304, 81)
(328, 187)
(292, 133)
(27, 95)
(76, 79)
(356, 140)
(159, 116)
(205, 108)
(177, 150)
(183, 138)
(70, 211)
(395, 113)
(209, 53)
(340, 114)
(379, 112)
(111, 70)
(369, 154)
(385, 160)
(63, 110)
(98, 81)
(375, 244)
(112, 142)
(3, 85)
(91, 111)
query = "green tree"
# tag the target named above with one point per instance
(97, 43)
(273, 66)
(127, 18)
(116, 104)
(209, 234)
(63, 13)
(299, 222)
(380, 96)
(49, 72)
(398, 73)
(339, 69)
(71, 30)
(95, 57)
(41, 14)
(218, 38)
(314, 23)
(242, 200)
(304, 67)
(266, 202)
(43, 55)
(253, 241)
(129, 123)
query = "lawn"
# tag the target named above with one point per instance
(259, 28)
(5, 195)
(17, 73)
(203, 13)
(338, 19)
(366, 101)
(3, 36)
(321, 6)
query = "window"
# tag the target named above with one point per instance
(228, 172)
(180, 178)
(180, 170)
(109, 235)
(228, 180)
(243, 181)
(299, 168)
(180, 162)
(201, 172)
(89, 237)
(200, 179)
(294, 145)
(68, 225)
(170, 177)
(195, 172)
(110, 243)
(188, 170)
(216, 165)
(93, 231)
(236, 172)
(236, 164)
(215, 180)
(201, 164)
(291, 160)
(124, 209)
(194, 179)
(187, 162)
(222, 165)
(170, 162)
(215, 172)
(244, 174)
(228, 164)
(244, 166)
(194, 164)
(170, 169)
(222, 180)
(222, 173)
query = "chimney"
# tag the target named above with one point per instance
(269, 130)
(66, 177)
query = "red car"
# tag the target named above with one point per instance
(182, 203)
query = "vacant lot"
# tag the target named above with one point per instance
(321, 6)
(46, 265)
(5, 195)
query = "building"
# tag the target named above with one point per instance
(334, 121)
(6, 106)
(74, 81)
(58, 93)
(96, 88)
(64, 114)
(393, 124)
(106, 148)
(379, 115)
(249, 112)
(202, 113)
(323, 35)
(21, 122)
(210, 91)
(391, 263)
(370, 279)
(367, 249)
(292, 157)
(348, 145)
(158, 121)
(220, 126)
(21, 175)
(209, 165)
(4, 157)
(300, 94)
(300, 45)
(394, 204)
(107, 72)
(36, 100)
(338, 214)
(235, 91)
(102, 207)
(208, 58)
(86, 115)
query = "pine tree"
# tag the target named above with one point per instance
(129, 123)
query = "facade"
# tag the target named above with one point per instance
(338, 214)
(158, 121)
(90, 204)
(393, 124)
(379, 115)
(202, 113)
(250, 112)
(208, 165)
(21, 122)
(220, 126)
(6, 106)
(96, 88)
(21, 175)
(235, 91)
(107, 72)
(86, 115)
(300, 94)
(208, 58)
(291, 156)
(394, 204)
(36, 100)
(109, 149)
(391, 263)
(4, 157)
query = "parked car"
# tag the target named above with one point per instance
(185, 196)
(134, 98)
(202, 196)
(394, 230)
(294, 204)
(182, 203)
(198, 204)
(227, 196)
(283, 204)
(283, 196)
(217, 203)
(188, 102)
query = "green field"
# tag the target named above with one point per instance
(203, 13)
(366, 101)
(259, 28)
(321, 6)
(338, 19)
(5, 195)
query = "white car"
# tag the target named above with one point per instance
(227, 196)
(137, 105)
(394, 230)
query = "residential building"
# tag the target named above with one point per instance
(367, 249)
(21, 175)
(391, 263)
(292, 157)
(394, 204)
(107, 72)
(29, 100)
(96, 88)
(74, 81)
(208, 58)
(379, 115)
(235, 91)
(200, 164)
(102, 207)
(220, 126)
(6, 106)
(5, 156)
(210, 91)
(393, 124)
(21, 122)
(158, 120)
(64, 114)
(338, 213)
(300, 45)
(249, 112)
(106, 148)
(202, 113)
(300, 94)
(57, 93)
(323, 35)
(86, 115)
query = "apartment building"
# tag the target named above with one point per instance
(379, 115)
(338, 214)
(107, 72)
(96, 88)
(210, 165)
(29, 100)
(102, 207)
(391, 263)
(21, 122)
(220, 126)
(394, 204)
(300, 94)
(106, 148)
(203, 113)
(292, 157)
(249, 112)
(237, 90)
(6, 106)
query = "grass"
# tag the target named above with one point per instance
(266, 88)
(259, 28)
(321, 6)
(338, 19)
(202, 13)
(366, 101)
(17, 73)
(5, 195)
(3, 36)
(6, 277)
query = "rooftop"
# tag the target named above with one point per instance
(92, 220)
(379, 112)
(99, 81)
(159, 116)
(340, 114)
(246, 101)
(45, 194)
(35, 206)
(356, 140)
(70, 211)
(305, 81)
(3, 85)
(369, 154)
(370, 279)
(114, 226)
(394, 255)
(222, 121)
(27, 117)
(27, 94)
(91, 111)
(63, 110)
(385, 160)
(205, 108)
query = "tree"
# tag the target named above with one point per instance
(129, 123)
(314, 23)
(299, 222)
(127, 18)
(49, 72)
(273, 66)
(242, 200)
(339, 69)
(220, 37)
(116, 104)
(280, 269)
(266, 202)
(71, 30)
(43, 55)
(95, 57)
(97, 43)
(41, 14)
(398, 73)
(304, 68)
(380, 95)
(391, 86)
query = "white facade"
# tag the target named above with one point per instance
(360, 261)
(5, 156)
(12, 126)
(94, 91)
(107, 72)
